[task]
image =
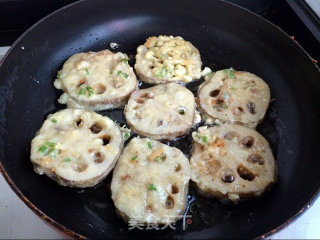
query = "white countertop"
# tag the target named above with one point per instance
(18, 221)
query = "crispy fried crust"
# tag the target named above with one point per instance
(231, 161)
(96, 80)
(234, 97)
(76, 148)
(165, 111)
(166, 59)
(150, 182)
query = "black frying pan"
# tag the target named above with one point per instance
(226, 36)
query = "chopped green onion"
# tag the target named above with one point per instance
(126, 135)
(230, 72)
(123, 74)
(233, 88)
(67, 160)
(59, 75)
(204, 118)
(134, 157)
(209, 75)
(203, 139)
(159, 159)
(50, 144)
(89, 90)
(149, 145)
(87, 71)
(43, 149)
(111, 72)
(151, 187)
(163, 73)
(53, 120)
(48, 147)
(82, 91)
(125, 60)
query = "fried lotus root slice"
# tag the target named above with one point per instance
(165, 111)
(234, 97)
(96, 80)
(76, 148)
(231, 161)
(166, 59)
(150, 182)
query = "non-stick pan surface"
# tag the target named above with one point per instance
(226, 36)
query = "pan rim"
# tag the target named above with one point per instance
(48, 220)
(68, 232)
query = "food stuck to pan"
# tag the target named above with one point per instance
(96, 80)
(150, 182)
(78, 148)
(165, 111)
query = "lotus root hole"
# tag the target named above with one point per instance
(245, 173)
(106, 139)
(228, 176)
(146, 95)
(135, 107)
(96, 128)
(162, 158)
(177, 168)
(252, 107)
(139, 100)
(247, 141)
(149, 207)
(214, 93)
(98, 157)
(170, 202)
(80, 166)
(230, 135)
(256, 158)
(160, 123)
(100, 88)
(219, 101)
(213, 166)
(79, 122)
(174, 189)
